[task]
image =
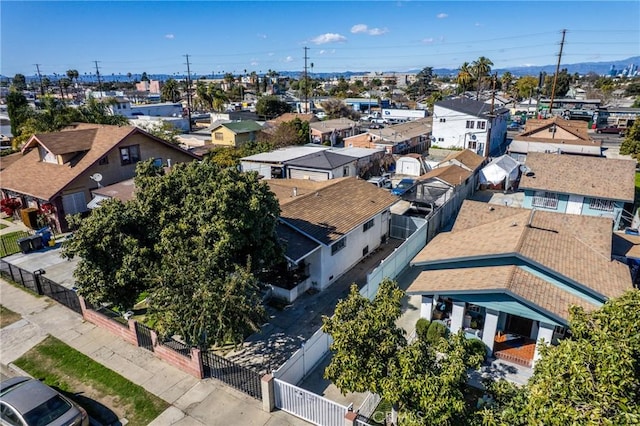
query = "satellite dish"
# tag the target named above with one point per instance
(96, 176)
(524, 169)
(473, 137)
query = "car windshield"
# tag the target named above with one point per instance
(47, 412)
(404, 185)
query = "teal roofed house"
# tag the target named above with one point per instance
(508, 276)
(581, 185)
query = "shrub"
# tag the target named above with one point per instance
(422, 326)
(477, 347)
(436, 331)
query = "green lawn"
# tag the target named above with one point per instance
(95, 385)
(9, 242)
(2, 226)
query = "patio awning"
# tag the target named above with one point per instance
(95, 202)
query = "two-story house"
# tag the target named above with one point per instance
(468, 124)
(554, 135)
(575, 184)
(236, 133)
(56, 172)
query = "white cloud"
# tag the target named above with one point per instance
(270, 54)
(359, 28)
(329, 38)
(428, 40)
(169, 36)
(263, 36)
(288, 59)
(441, 15)
(322, 52)
(254, 63)
(378, 31)
(364, 29)
(478, 24)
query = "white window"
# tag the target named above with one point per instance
(443, 120)
(129, 154)
(600, 204)
(470, 124)
(547, 200)
(368, 225)
(218, 136)
(440, 139)
(472, 145)
(345, 171)
(481, 125)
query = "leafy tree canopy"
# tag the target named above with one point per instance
(335, 108)
(370, 353)
(592, 377)
(19, 82)
(271, 106)
(631, 143)
(193, 239)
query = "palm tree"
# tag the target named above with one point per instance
(464, 76)
(170, 91)
(481, 68)
(219, 98)
(507, 81)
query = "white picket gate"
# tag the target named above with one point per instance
(307, 405)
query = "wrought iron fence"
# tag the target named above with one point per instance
(235, 375)
(37, 283)
(143, 334)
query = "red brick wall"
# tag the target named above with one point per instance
(192, 365)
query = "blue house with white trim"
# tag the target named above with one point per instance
(581, 185)
(508, 275)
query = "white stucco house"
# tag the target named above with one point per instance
(467, 124)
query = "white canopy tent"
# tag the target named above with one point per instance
(498, 170)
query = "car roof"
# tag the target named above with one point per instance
(31, 394)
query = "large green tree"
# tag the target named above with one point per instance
(271, 106)
(425, 381)
(631, 143)
(19, 82)
(481, 68)
(592, 377)
(464, 77)
(17, 109)
(170, 91)
(422, 86)
(526, 86)
(193, 238)
(563, 83)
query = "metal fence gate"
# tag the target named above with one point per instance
(235, 375)
(143, 333)
(307, 405)
(38, 283)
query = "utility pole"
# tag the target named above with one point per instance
(40, 79)
(306, 94)
(493, 92)
(98, 75)
(188, 92)
(555, 77)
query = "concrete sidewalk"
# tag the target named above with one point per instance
(193, 401)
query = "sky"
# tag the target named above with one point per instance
(385, 35)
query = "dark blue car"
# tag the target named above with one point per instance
(403, 186)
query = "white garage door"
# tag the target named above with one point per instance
(74, 203)
(308, 174)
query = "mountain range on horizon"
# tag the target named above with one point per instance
(582, 68)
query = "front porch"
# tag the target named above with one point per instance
(507, 336)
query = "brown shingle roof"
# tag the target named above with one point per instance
(453, 174)
(466, 157)
(577, 247)
(581, 175)
(64, 142)
(511, 279)
(284, 188)
(30, 176)
(576, 128)
(290, 116)
(331, 212)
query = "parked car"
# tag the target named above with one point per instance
(381, 182)
(612, 129)
(403, 186)
(28, 402)
(513, 126)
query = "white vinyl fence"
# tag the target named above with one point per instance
(369, 405)
(307, 405)
(304, 359)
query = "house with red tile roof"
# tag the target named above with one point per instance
(56, 172)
